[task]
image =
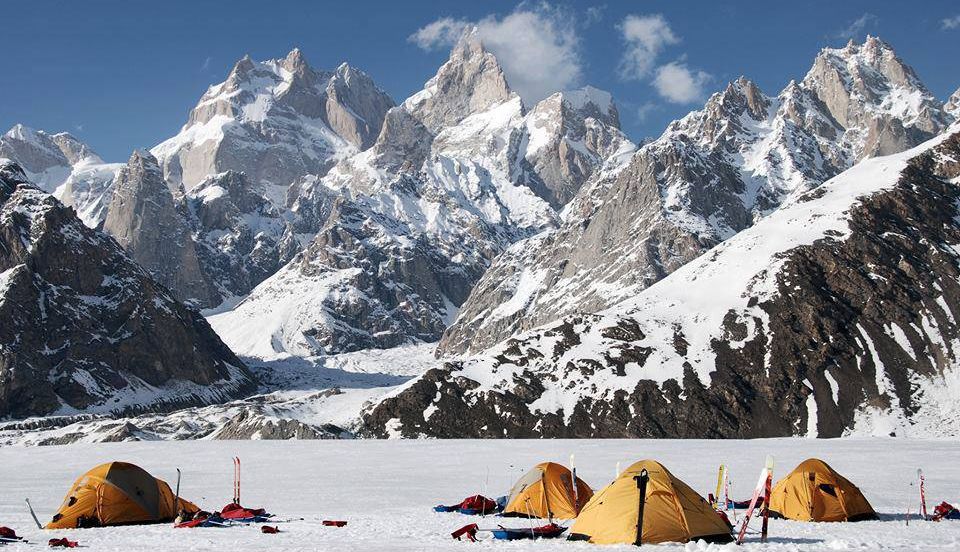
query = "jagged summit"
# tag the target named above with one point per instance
(711, 174)
(470, 82)
(953, 105)
(275, 120)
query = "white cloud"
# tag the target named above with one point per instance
(645, 110)
(677, 83)
(646, 36)
(537, 47)
(594, 14)
(857, 26)
(443, 32)
(206, 64)
(950, 23)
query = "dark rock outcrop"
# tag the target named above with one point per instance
(86, 328)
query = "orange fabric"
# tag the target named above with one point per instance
(117, 493)
(813, 491)
(546, 492)
(672, 512)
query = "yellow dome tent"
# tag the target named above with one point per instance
(814, 492)
(546, 492)
(117, 493)
(672, 511)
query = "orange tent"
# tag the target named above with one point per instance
(118, 493)
(814, 492)
(546, 492)
(672, 511)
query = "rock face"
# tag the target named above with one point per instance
(86, 328)
(276, 121)
(64, 166)
(834, 314)
(404, 229)
(953, 105)
(710, 175)
(241, 237)
(144, 220)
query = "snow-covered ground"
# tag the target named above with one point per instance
(386, 489)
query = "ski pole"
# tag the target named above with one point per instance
(33, 514)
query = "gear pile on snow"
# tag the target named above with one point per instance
(471, 506)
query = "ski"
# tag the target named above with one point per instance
(573, 481)
(765, 474)
(766, 499)
(716, 494)
(923, 496)
(236, 480)
(33, 514)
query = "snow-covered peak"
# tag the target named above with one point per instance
(276, 120)
(728, 120)
(38, 154)
(471, 81)
(953, 105)
(74, 150)
(589, 102)
(862, 82)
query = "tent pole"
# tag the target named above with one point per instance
(642, 487)
(546, 498)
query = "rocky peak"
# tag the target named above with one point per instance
(865, 86)
(568, 136)
(74, 150)
(295, 62)
(143, 217)
(86, 328)
(470, 82)
(953, 105)
(355, 106)
(592, 102)
(241, 69)
(725, 121)
(275, 120)
(34, 151)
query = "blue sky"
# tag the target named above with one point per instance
(122, 75)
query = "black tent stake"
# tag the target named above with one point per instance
(642, 486)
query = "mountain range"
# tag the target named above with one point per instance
(769, 265)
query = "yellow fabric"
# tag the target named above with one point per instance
(673, 512)
(546, 492)
(117, 493)
(813, 491)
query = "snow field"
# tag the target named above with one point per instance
(386, 489)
